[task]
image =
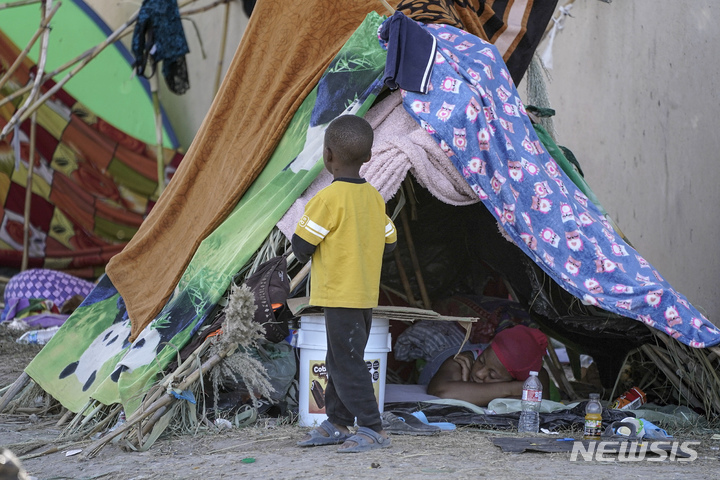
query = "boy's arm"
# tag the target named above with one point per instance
(302, 249)
(390, 235)
(311, 229)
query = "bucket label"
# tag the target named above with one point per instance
(318, 383)
(373, 367)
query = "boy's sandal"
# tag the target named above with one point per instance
(334, 436)
(361, 441)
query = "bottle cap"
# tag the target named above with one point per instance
(533, 373)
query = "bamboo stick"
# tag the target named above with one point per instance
(102, 423)
(14, 389)
(413, 256)
(51, 449)
(300, 276)
(204, 8)
(91, 415)
(18, 61)
(165, 400)
(21, 91)
(64, 418)
(28, 195)
(20, 112)
(77, 418)
(398, 293)
(158, 136)
(388, 7)
(223, 43)
(19, 3)
(33, 127)
(563, 378)
(144, 430)
(404, 278)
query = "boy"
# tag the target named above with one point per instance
(346, 231)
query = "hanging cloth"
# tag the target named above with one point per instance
(159, 35)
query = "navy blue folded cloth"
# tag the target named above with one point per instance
(410, 54)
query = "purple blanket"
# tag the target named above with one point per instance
(42, 284)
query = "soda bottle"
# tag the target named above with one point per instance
(531, 400)
(593, 418)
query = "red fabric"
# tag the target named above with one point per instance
(520, 349)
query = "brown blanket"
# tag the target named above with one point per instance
(283, 53)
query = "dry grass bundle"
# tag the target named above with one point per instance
(670, 372)
(239, 328)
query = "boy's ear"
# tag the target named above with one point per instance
(327, 154)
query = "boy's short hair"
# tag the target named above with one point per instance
(350, 138)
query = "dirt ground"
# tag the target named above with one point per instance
(267, 451)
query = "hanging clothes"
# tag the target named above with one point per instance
(159, 37)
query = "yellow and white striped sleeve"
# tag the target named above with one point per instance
(315, 224)
(390, 232)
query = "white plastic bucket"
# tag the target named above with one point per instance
(312, 342)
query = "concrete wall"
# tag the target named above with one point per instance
(187, 111)
(635, 85)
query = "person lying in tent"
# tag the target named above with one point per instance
(498, 371)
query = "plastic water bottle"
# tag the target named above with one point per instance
(531, 400)
(40, 337)
(593, 418)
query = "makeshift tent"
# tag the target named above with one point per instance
(493, 148)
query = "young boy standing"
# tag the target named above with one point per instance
(346, 231)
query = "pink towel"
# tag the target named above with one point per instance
(400, 145)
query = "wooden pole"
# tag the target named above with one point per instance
(559, 372)
(15, 388)
(160, 157)
(388, 7)
(204, 8)
(300, 276)
(413, 256)
(28, 195)
(38, 75)
(404, 279)
(223, 43)
(21, 91)
(20, 3)
(18, 61)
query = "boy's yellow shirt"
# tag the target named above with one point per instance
(347, 223)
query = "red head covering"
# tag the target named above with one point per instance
(520, 349)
